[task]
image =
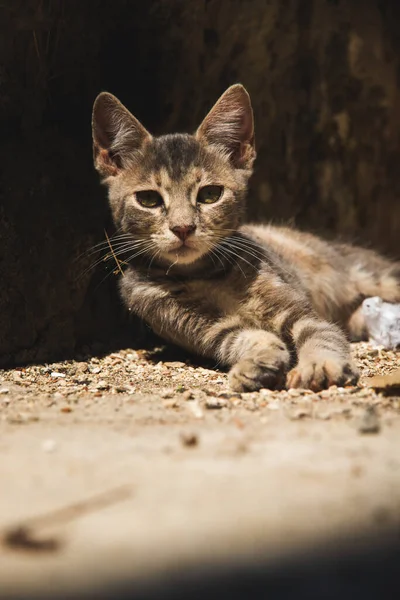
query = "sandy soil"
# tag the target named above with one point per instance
(136, 462)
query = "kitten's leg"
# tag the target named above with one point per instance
(260, 358)
(356, 326)
(381, 279)
(374, 275)
(323, 356)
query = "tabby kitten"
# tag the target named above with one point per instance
(271, 303)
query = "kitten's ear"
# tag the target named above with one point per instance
(230, 125)
(116, 134)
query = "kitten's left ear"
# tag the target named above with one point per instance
(230, 125)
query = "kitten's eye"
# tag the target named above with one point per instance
(149, 198)
(210, 194)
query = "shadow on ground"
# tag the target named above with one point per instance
(367, 570)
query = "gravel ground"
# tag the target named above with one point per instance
(136, 373)
(212, 472)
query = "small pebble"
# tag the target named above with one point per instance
(189, 439)
(365, 392)
(267, 392)
(229, 395)
(324, 416)
(369, 422)
(121, 389)
(57, 375)
(196, 409)
(66, 409)
(102, 385)
(4, 390)
(295, 392)
(300, 414)
(173, 403)
(187, 395)
(215, 403)
(17, 419)
(373, 352)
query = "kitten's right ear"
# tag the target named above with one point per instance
(116, 134)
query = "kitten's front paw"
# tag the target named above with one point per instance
(318, 374)
(252, 374)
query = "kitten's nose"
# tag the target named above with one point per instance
(183, 232)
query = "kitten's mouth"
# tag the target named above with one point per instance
(183, 252)
(182, 247)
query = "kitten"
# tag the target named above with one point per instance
(271, 303)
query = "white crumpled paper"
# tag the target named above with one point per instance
(383, 322)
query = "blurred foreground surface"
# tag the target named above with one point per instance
(134, 475)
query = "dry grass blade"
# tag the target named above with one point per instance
(117, 262)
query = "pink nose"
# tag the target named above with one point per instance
(183, 232)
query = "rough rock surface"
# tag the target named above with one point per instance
(323, 76)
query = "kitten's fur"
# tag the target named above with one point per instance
(269, 302)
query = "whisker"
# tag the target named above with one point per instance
(103, 245)
(142, 251)
(226, 253)
(212, 253)
(218, 254)
(270, 259)
(152, 259)
(124, 248)
(95, 264)
(232, 252)
(255, 250)
(120, 250)
(247, 250)
(103, 258)
(113, 272)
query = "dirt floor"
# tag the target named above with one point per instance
(135, 463)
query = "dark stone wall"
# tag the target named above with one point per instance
(324, 76)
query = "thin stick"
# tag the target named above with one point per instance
(25, 535)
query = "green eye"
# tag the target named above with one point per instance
(210, 194)
(149, 198)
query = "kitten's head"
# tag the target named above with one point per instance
(176, 195)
